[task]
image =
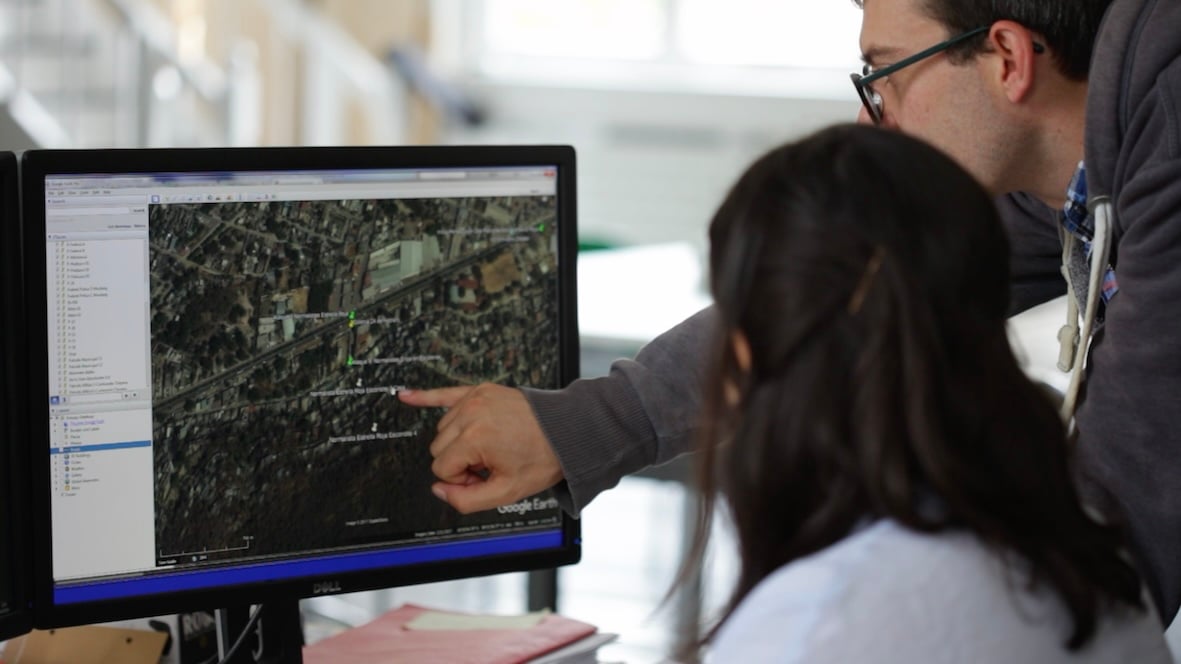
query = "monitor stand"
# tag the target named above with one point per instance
(277, 638)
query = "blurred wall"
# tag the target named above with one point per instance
(380, 25)
(268, 33)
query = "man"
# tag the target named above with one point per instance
(1009, 88)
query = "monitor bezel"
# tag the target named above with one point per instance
(19, 620)
(36, 165)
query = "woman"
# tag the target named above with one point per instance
(900, 490)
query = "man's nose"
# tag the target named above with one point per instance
(863, 116)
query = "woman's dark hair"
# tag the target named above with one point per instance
(1069, 27)
(869, 274)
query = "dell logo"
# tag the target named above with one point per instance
(325, 587)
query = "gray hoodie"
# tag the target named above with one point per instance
(1129, 420)
(645, 411)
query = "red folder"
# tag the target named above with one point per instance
(388, 640)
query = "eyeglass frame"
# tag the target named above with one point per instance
(872, 100)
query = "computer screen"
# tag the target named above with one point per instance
(224, 336)
(14, 571)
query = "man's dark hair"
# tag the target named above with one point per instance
(881, 383)
(1069, 27)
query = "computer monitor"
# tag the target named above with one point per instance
(221, 337)
(15, 617)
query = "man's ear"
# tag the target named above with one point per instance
(1015, 58)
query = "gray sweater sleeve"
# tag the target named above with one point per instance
(644, 412)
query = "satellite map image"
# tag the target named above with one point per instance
(281, 332)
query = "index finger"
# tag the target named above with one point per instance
(444, 397)
(475, 496)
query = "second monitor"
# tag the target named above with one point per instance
(15, 615)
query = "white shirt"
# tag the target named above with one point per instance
(887, 594)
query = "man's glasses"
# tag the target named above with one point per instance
(864, 81)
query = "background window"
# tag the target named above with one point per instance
(761, 33)
(778, 33)
(623, 29)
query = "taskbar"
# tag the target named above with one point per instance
(313, 566)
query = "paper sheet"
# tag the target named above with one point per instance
(452, 621)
